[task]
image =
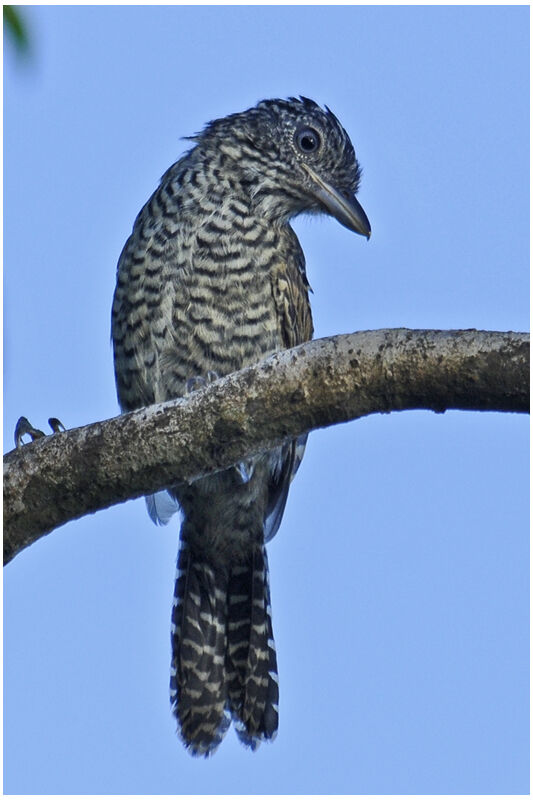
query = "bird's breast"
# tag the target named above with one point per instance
(203, 298)
(216, 311)
(228, 308)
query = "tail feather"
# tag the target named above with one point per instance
(197, 683)
(251, 655)
(223, 654)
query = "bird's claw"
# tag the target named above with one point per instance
(200, 382)
(56, 424)
(24, 427)
(193, 384)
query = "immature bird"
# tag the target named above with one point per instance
(212, 279)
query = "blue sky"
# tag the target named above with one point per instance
(400, 575)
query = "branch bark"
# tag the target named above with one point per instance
(67, 475)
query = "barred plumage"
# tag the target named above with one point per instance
(212, 279)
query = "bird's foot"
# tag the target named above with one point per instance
(200, 381)
(24, 427)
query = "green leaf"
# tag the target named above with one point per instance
(16, 28)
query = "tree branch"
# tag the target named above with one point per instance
(67, 475)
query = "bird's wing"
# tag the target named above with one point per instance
(291, 456)
(290, 289)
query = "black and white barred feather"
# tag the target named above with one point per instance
(224, 658)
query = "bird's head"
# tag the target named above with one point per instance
(291, 156)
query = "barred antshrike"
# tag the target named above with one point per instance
(212, 279)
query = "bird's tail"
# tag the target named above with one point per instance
(198, 674)
(223, 655)
(251, 655)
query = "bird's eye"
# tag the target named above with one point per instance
(307, 140)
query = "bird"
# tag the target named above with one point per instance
(213, 279)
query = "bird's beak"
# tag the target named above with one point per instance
(347, 210)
